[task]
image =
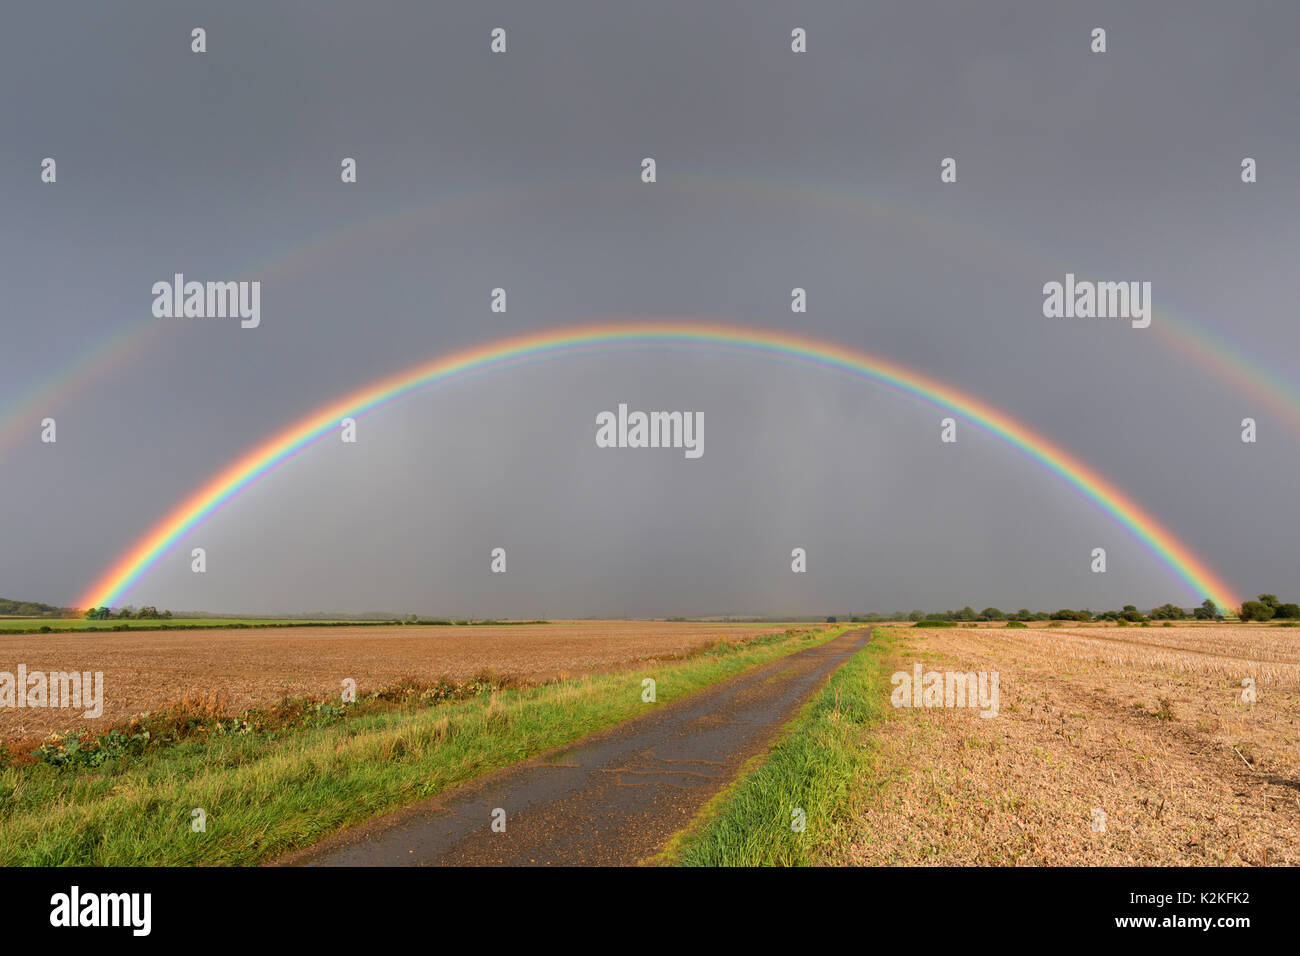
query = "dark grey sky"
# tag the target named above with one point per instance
(522, 170)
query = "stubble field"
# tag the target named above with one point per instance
(144, 671)
(1111, 746)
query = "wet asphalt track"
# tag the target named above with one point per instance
(613, 798)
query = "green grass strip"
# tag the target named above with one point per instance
(820, 766)
(263, 795)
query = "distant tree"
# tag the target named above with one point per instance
(1256, 611)
(1288, 611)
(832, 619)
(1208, 611)
(1131, 614)
(1168, 612)
(1067, 615)
(1271, 600)
(992, 614)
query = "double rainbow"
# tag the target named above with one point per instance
(127, 570)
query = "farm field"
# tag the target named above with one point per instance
(143, 671)
(1110, 746)
(15, 624)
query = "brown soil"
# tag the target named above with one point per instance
(1145, 725)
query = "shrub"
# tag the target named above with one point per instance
(1256, 611)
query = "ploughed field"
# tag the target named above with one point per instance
(144, 671)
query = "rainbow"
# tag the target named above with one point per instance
(126, 571)
(1207, 349)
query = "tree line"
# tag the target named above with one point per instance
(11, 608)
(146, 613)
(1266, 607)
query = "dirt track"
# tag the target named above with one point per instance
(612, 799)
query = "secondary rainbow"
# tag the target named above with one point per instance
(126, 571)
(1211, 351)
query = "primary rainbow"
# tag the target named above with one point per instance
(126, 571)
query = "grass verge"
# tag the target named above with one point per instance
(820, 765)
(262, 794)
